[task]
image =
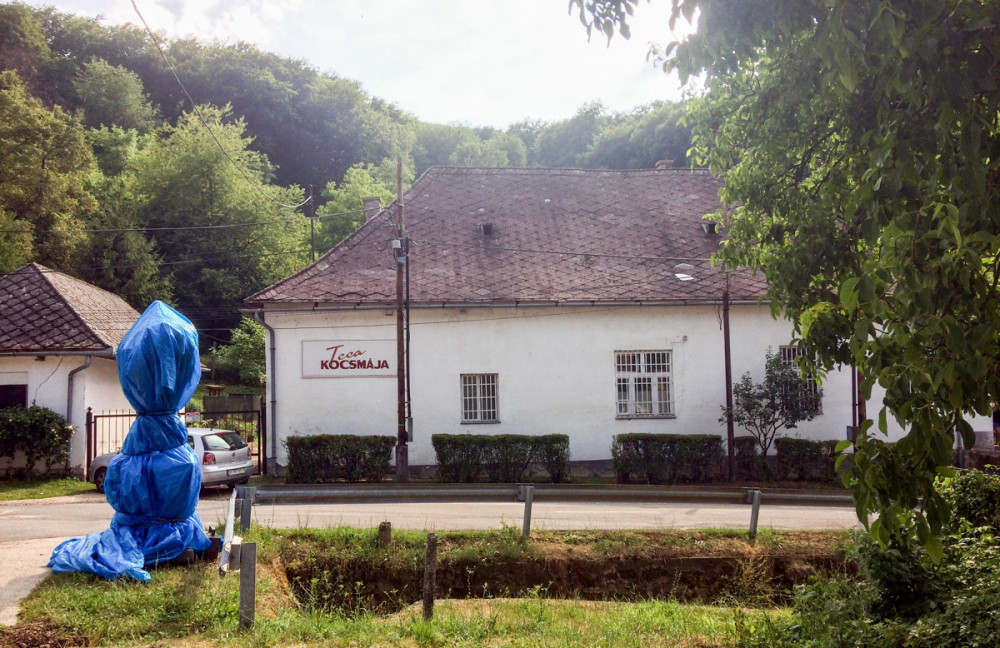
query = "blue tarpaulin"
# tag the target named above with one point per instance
(153, 484)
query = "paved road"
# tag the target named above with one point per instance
(30, 530)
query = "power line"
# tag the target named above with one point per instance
(204, 122)
(121, 230)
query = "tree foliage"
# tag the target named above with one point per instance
(860, 141)
(783, 400)
(343, 211)
(220, 227)
(243, 357)
(44, 162)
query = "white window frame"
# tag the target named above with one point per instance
(789, 352)
(644, 384)
(479, 398)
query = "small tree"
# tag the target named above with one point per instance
(243, 357)
(780, 402)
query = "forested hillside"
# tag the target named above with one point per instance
(181, 172)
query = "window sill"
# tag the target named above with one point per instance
(480, 422)
(633, 417)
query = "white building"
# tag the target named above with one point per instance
(58, 337)
(539, 301)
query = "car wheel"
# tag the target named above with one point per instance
(99, 477)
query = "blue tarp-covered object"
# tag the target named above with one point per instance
(153, 484)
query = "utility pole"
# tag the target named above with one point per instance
(312, 223)
(730, 434)
(399, 248)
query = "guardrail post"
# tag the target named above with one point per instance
(529, 495)
(247, 494)
(754, 513)
(227, 539)
(248, 584)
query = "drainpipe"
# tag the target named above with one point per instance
(69, 412)
(69, 388)
(258, 316)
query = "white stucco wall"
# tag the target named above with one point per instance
(48, 386)
(556, 372)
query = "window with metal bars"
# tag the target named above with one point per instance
(644, 382)
(479, 398)
(810, 390)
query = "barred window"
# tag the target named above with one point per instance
(479, 398)
(810, 389)
(644, 382)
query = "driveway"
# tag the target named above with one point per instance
(31, 529)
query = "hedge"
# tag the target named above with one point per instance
(666, 458)
(505, 458)
(749, 465)
(806, 460)
(325, 458)
(39, 433)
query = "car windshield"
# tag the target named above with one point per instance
(223, 441)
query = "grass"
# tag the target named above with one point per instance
(191, 606)
(23, 489)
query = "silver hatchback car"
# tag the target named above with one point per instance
(224, 456)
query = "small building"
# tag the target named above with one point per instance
(58, 337)
(537, 301)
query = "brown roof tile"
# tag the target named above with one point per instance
(557, 236)
(44, 311)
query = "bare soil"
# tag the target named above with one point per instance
(690, 567)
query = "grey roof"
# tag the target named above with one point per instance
(44, 311)
(514, 235)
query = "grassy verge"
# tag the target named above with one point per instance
(20, 489)
(191, 606)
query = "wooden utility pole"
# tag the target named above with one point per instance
(730, 434)
(312, 223)
(399, 252)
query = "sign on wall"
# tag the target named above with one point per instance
(348, 358)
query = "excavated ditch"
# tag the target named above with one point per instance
(730, 571)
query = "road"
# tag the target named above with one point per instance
(30, 530)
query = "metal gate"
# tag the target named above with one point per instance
(106, 431)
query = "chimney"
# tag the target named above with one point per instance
(664, 164)
(372, 206)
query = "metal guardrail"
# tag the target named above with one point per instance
(404, 493)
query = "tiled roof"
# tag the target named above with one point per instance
(555, 236)
(44, 311)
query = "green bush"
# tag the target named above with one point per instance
(39, 433)
(749, 465)
(462, 458)
(666, 458)
(806, 460)
(552, 453)
(506, 457)
(326, 458)
(974, 497)
(459, 457)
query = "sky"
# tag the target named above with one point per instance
(474, 62)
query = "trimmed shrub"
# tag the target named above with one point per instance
(749, 465)
(552, 453)
(666, 458)
(462, 458)
(326, 458)
(806, 460)
(506, 457)
(459, 456)
(39, 433)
